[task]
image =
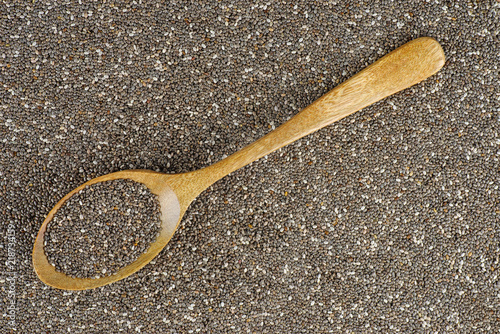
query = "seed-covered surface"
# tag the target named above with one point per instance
(384, 222)
(102, 228)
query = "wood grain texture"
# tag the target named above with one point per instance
(400, 69)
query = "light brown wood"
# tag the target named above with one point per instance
(400, 69)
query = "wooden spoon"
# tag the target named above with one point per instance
(402, 68)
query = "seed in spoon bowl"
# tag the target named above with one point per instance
(102, 228)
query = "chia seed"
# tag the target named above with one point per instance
(102, 228)
(387, 221)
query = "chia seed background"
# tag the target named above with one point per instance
(387, 221)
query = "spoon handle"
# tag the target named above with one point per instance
(400, 69)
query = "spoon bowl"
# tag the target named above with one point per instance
(171, 215)
(400, 69)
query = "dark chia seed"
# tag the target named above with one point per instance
(102, 228)
(387, 221)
